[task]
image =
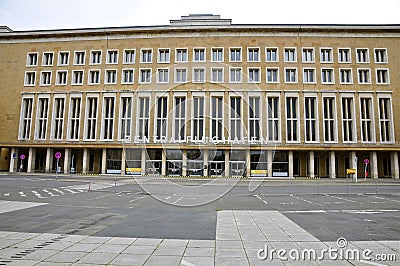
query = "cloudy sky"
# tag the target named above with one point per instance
(62, 14)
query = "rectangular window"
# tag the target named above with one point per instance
(145, 75)
(163, 55)
(216, 118)
(108, 118)
(75, 116)
(329, 119)
(180, 75)
(362, 55)
(291, 120)
(41, 118)
(344, 55)
(146, 56)
(308, 55)
(272, 54)
(161, 118)
(144, 118)
(290, 75)
(47, 59)
(63, 59)
(79, 58)
(327, 76)
(94, 77)
(163, 75)
(382, 76)
(308, 75)
(326, 55)
(381, 55)
(217, 54)
(199, 75)
(290, 55)
(111, 76)
(253, 55)
(367, 126)
(62, 77)
(254, 118)
(32, 59)
(273, 118)
(272, 75)
(181, 55)
(112, 57)
(26, 118)
(235, 55)
(45, 79)
(179, 118)
(235, 75)
(95, 57)
(127, 76)
(254, 75)
(364, 76)
(77, 77)
(198, 118)
(348, 119)
(129, 56)
(91, 118)
(346, 76)
(58, 118)
(199, 54)
(30, 78)
(217, 75)
(125, 118)
(310, 114)
(385, 117)
(235, 132)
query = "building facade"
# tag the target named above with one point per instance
(202, 96)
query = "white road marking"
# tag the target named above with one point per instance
(309, 211)
(376, 197)
(9, 206)
(258, 197)
(38, 195)
(186, 263)
(302, 199)
(177, 200)
(22, 194)
(340, 198)
(137, 199)
(59, 191)
(50, 193)
(6, 194)
(71, 191)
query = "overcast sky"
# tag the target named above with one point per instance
(62, 14)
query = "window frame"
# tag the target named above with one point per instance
(92, 53)
(28, 59)
(54, 118)
(258, 69)
(276, 52)
(351, 75)
(104, 117)
(140, 76)
(277, 75)
(385, 56)
(125, 117)
(369, 75)
(314, 119)
(38, 118)
(334, 118)
(321, 49)
(59, 60)
(123, 76)
(353, 119)
(230, 75)
(253, 49)
(218, 49)
(202, 69)
(349, 55)
(386, 70)
(390, 120)
(30, 84)
(73, 83)
(158, 76)
(212, 76)
(76, 57)
(107, 71)
(313, 75)
(86, 121)
(44, 54)
(125, 55)
(287, 59)
(296, 75)
(291, 119)
(58, 77)
(90, 82)
(176, 75)
(240, 54)
(177, 51)
(23, 129)
(74, 120)
(167, 60)
(41, 77)
(367, 54)
(333, 76)
(371, 119)
(304, 57)
(144, 50)
(108, 62)
(204, 49)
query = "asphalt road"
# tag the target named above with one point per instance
(187, 209)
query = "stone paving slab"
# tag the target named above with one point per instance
(241, 238)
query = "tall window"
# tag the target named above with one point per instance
(367, 128)
(362, 55)
(272, 75)
(91, 118)
(291, 119)
(112, 57)
(217, 54)
(47, 59)
(326, 55)
(346, 76)
(310, 119)
(199, 54)
(163, 75)
(273, 118)
(216, 118)
(198, 118)
(94, 77)
(161, 118)
(327, 76)
(235, 54)
(364, 76)
(272, 54)
(144, 118)
(30, 78)
(235, 75)
(217, 75)
(108, 118)
(63, 58)
(348, 120)
(382, 76)
(254, 75)
(180, 75)
(254, 118)
(344, 55)
(126, 118)
(179, 119)
(79, 58)
(145, 75)
(253, 55)
(236, 119)
(41, 119)
(199, 75)
(45, 79)
(127, 76)
(329, 120)
(61, 78)
(146, 56)
(381, 55)
(385, 119)
(75, 116)
(32, 59)
(95, 57)
(181, 55)
(58, 118)
(26, 119)
(163, 55)
(290, 55)
(309, 75)
(129, 56)
(308, 55)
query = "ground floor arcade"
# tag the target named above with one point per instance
(201, 162)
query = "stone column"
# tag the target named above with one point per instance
(31, 160)
(67, 160)
(85, 161)
(353, 163)
(332, 165)
(49, 160)
(248, 163)
(291, 164)
(104, 161)
(184, 163)
(143, 164)
(123, 162)
(311, 164)
(270, 160)
(394, 156)
(13, 160)
(205, 163)
(164, 162)
(373, 164)
(227, 168)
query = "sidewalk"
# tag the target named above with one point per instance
(241, 238)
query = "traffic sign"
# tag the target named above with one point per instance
(366, 161)
(58, 155)
(22, 156)
(350, 171)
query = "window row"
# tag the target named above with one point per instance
(253, 75)
(189, 118)
(308, 55)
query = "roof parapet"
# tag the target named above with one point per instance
(5, 29)
(201, 20)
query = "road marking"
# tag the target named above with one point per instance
(177, 200)
(104, 196)
(309, 211)
(22, 194)
(340, 198)
(59, 191)
(6, 194)
(9, 206)
(303, 199)
(376, 197)
(50, 193)
(258, 197)
(38, 195)
(186, 263)
(137, 199)
(70, 191)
